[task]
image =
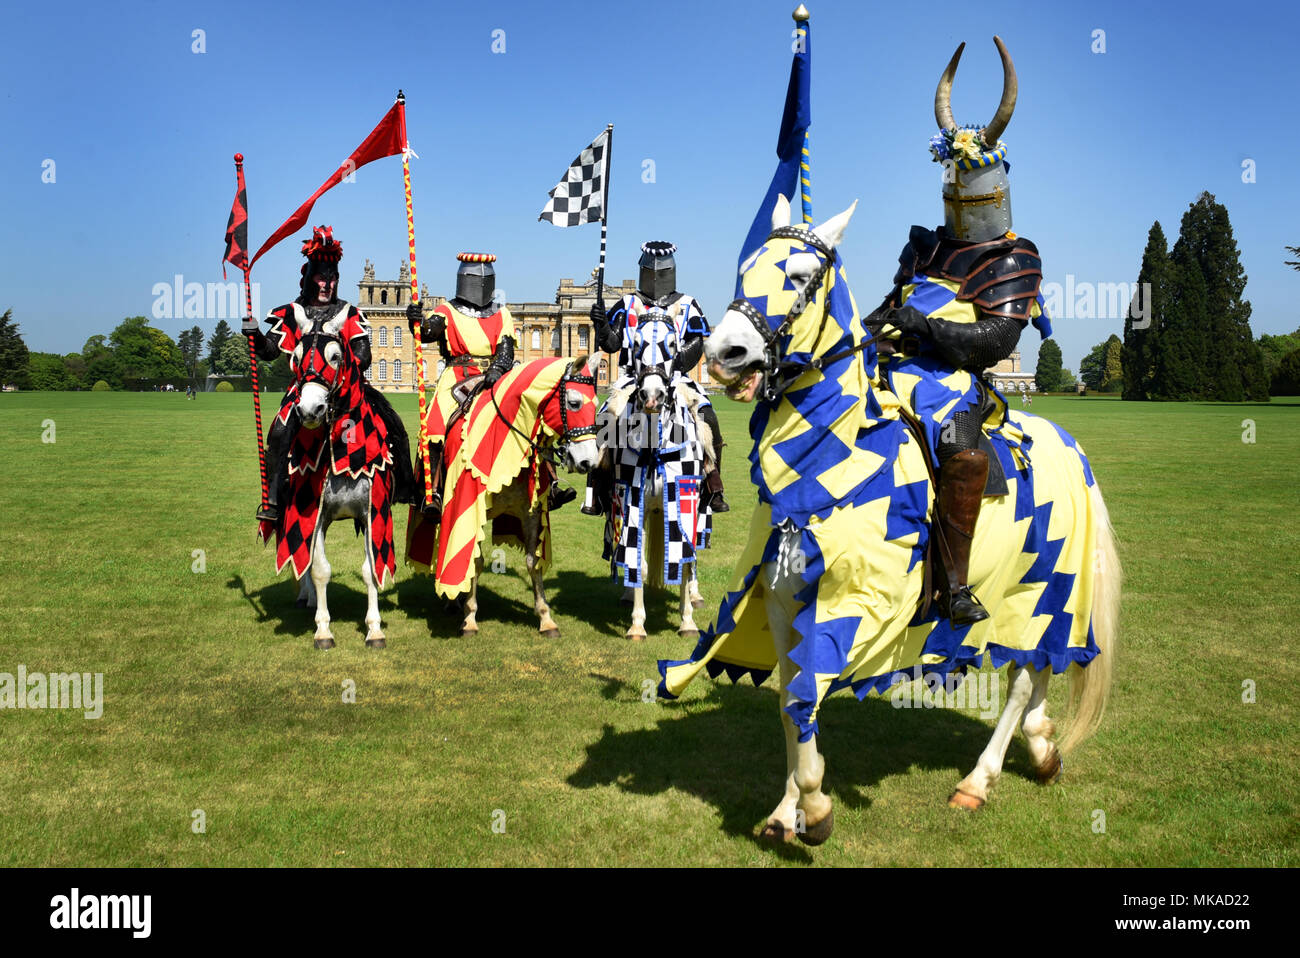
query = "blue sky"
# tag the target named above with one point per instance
(142, 129)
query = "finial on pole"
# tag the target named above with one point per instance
(801, 14)
(239, 158)
(401, 97)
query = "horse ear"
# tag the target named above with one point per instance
(593, 365)
(781, 212)
(832, 231)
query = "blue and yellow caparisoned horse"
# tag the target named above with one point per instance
(828, 589)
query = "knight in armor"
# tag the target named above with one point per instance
(656, 289)
(962, 295)
(476, 337)
(319, 308)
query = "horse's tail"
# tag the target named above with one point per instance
(1090, 687)
(653, 529)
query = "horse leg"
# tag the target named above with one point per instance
(374, 631)
(469, 627)
(810, 817)
(546, 625)
(628, 597)
(1039, 729)
(973, 790)
(636, 631)
(688, 628)
(697, 600)
(320, 579)
(306, 592)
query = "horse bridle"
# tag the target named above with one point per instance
(310, 346)
(779, 374)
(567, 435)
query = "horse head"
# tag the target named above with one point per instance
(654, 346)
(569, 413)
(321, 367)
(787, 289)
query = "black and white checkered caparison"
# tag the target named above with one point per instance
(580, 197)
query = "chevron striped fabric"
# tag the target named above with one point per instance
(833, 462)
(485, 452)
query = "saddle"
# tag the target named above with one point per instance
(464, 393)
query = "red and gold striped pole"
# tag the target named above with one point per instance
(415, 298)
(252, 353)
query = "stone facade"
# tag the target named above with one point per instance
(559, 328)
(1008, 378)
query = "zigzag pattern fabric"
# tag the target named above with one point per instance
(836, 469)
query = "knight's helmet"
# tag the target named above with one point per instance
(976, 195)
(658, 270)
(323, 253)
(476, 279)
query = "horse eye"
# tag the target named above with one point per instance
(333, 354)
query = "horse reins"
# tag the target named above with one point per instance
(567, 434)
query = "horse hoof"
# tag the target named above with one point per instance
(692, 634)
(468, 633)
(551, 633)
(626, 602)
(636, 636)
(697, 603)
(324, 643)
(817, 834)
(965, 800)
(776, 833)
(1049, 771)
(301, 603)
(378, 643)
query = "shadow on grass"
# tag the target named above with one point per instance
(728, 750)
(595, 600)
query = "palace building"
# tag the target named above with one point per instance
(559, 328)
(1008, 378)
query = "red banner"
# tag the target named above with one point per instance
(387, 139)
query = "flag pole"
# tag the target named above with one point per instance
(415, 298)
(252, 356)
(801, 17)
(604, 219)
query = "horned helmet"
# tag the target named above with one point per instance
(976, 194)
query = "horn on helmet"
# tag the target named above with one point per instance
(1010, 89)
(943, 93)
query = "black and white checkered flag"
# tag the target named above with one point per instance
(580, 197)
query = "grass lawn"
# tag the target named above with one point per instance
(129, 549)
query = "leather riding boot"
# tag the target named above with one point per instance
(713, 486)
(432, 510)
(276, 452)
(961, 490)
(600, 483)
(556, 494)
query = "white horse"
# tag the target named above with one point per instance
(797, 270)
(639, 417)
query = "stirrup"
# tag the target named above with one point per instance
(964, 609)
(268, 513)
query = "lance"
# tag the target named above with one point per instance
(604, 220)
(252, 352)
(415, 298)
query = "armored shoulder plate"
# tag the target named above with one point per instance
(999, 276)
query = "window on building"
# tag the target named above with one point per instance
(397, 370)
(383, 335)
(369, 370)
(383, 370)
(583, 337)
(555, 339)
(537, 339)
(397, 335)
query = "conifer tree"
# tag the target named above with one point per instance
(1142, 332)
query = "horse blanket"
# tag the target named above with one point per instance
(835, 465)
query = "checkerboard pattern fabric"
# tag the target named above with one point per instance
(580, 197)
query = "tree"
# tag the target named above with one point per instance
(1286, 380)
(216, 342)
(1294, 251)
(275, 376)
(1230, 363)
(74, 370)
(1179, 368)
(46, 371)
(1048, 373)
(1112, 365)
(190, 342)
(13, 352)
(101, 362)
(1091, 370)
(233, 358)
(1142, 332)
(143, 352)
(1276, 348)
